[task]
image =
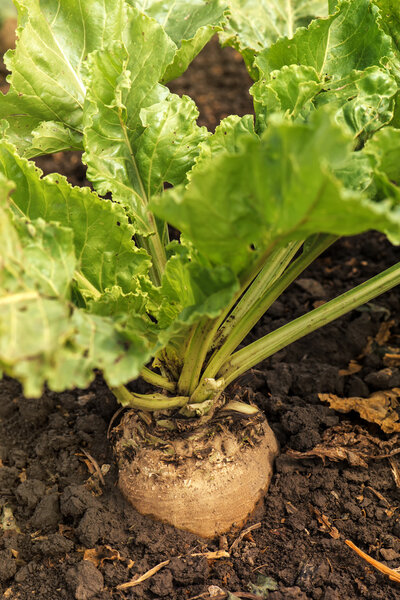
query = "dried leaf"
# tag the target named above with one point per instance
(384, 333)
(392, 358)
(97, 556)
(381, 337)
(326, 524)
(352, 443)
(395, 471)
(382, 408)
(352, 368)
(335, 454)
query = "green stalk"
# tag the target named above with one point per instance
(251, 355)
(153, 246)
(254, 304)
(157, 380)
(271, 272)
(195, 356)
(205, 337)
(147, 402)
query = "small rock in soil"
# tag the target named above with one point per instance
(8, 566)
(357, 387)
(7, 408)
(75, 500)
(389, 554)
(29, 492)
(312, 287)
(8, 477)
(383, 379)
(162, 584)
(85, 580)
(91, 527)
(396, 529)
(189, 571)
(54, 544)
(35, 412)
(47, 513)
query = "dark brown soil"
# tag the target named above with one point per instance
(57, 480)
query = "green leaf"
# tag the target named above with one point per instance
(365, 100)
(48, 64)
(256, 24)
(290, 90)
(196, 290)
(278, 188)
(102, 235)
(50, 137)
(330, 62)
(227, 137)
(137, 135)
(189, 23)
(43, 337)
(390, 23)
(350, 39)
(385, 148)
(384, 151)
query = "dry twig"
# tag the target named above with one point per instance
(137, 580)
(243, 534)
(393, 575)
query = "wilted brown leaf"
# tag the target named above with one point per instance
(326, 525)
(382, 408)
(381, 337)
(335, 454)
(392, 358)
(384, 333)
(351, 443)
(98, 555)
(353, 367)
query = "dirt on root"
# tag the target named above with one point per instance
(67, 533)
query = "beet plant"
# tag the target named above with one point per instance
(189, 236)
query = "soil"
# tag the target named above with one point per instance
(58, 497)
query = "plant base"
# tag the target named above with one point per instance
(205, 482)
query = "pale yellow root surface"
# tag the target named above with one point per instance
(212, 485)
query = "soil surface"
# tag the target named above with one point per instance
(67, 533)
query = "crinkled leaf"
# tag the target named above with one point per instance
(51, 137)
(385, 148)
(390, 23)
(189, 23)
(256, 24)
(278, 188)
(349, 39)
(47, 65)
(43, 337)
(227, 137)
(330, 62)
(196, 290)
(102, 235)
(290, 90)
(364, 99)
(132, 149)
